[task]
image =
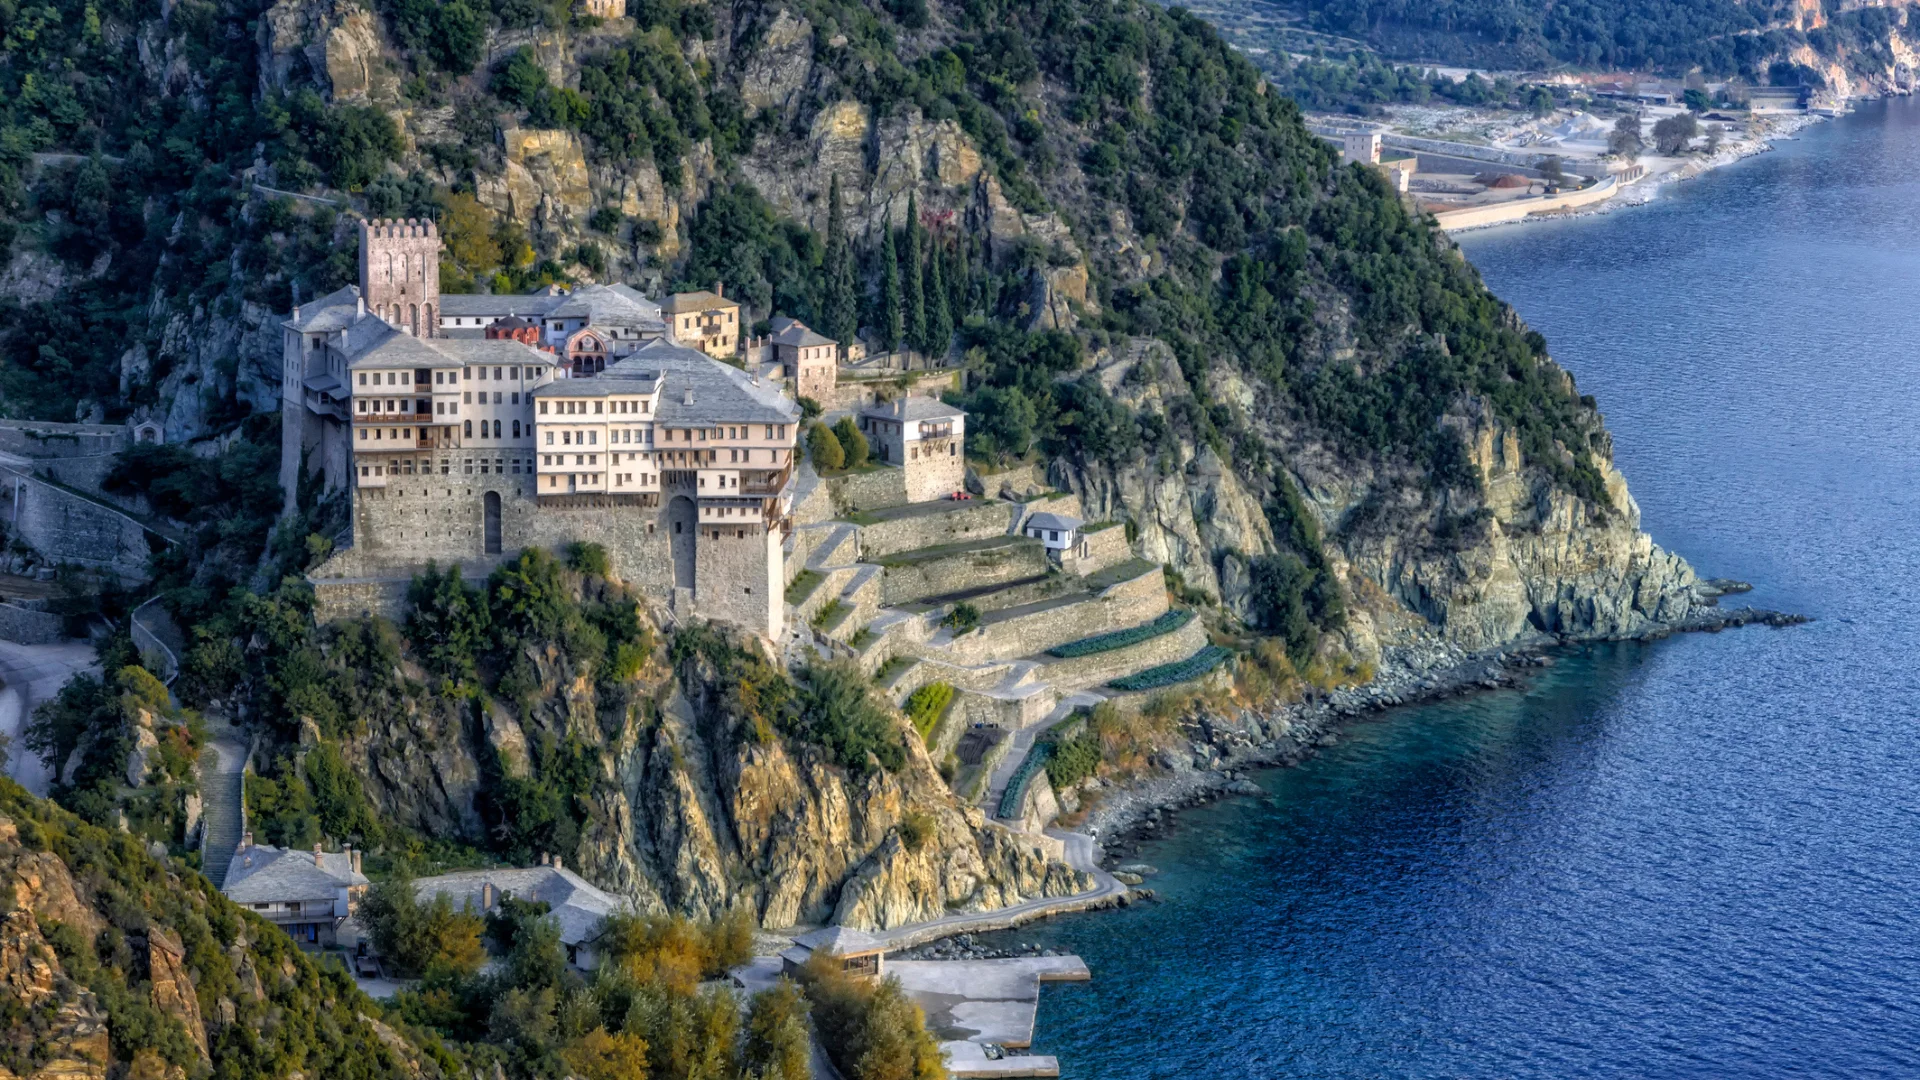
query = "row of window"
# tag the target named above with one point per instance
(445, 376)
(485, 467)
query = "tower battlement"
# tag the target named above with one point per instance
(400, 273)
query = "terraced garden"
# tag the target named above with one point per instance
(1179, 671)
(1167, 623)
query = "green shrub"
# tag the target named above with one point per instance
(802, 586)
(926, 706)
(852, 442)
(838, 712)
(1073, 760)
(828, 456)
(1179, 671)
(590, 559)
(916, 828)
(1167, 623)
(962, 618)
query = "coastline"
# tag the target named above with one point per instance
(1646, 189)
(1223, 748)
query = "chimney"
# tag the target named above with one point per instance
(316, 853)
(543, 858)
(688, 400)
(486, 897)
(356, 862)
(557, 865)
(719, 288)
(359, 303)
(246, 840)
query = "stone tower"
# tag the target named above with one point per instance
(400, 273)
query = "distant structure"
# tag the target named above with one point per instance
(306, 893)
(705, 320)
(1361, 146)
(924, 437)
(478, 436)
(810, 362)
(860, 954)
(604, 9)
(1056, 532)
(577, 908)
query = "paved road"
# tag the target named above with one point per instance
(31, 674)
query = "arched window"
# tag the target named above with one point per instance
(389, 267)
(496, 429)
(413, 318)
(431, 325)
(516, 429)
(469, 429)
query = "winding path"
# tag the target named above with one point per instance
(221, 765)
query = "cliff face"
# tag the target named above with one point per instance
(684, 811)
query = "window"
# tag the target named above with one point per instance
(597, 407)
(566, 438)
(363, 378)
(593, 437)
(549, 438)
(514, 372)
(363, 404)
(513, 398)
(543, 408)
(769, 431)
(496, 373)
(516, 429)
(466, 398)
(469, 429)
(363, 434)
(483, 373)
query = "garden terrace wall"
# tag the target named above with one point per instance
(911, 576)
(950, 523)
(1126, 604)
(1104, 548)
(1084, 671)
(874, 489)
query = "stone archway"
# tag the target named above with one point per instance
(490, 514)
(683, 523)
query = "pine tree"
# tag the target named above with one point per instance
(890, 302)
(842, 301)
(916, 286)
(939, 315)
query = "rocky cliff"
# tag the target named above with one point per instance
(682, 807)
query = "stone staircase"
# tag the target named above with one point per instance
(1022, 744)
(222, 793)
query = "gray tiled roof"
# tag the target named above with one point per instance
(472, 305)
(610, 305)
(797, 334)
(1061, 522)
(721, 393)
(372, 343)
(266, 874)
(912, 408)
(576, 905)
(697, 300)
(331, 312)
(841, 940)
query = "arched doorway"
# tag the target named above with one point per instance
(490, 510)
(682, 525)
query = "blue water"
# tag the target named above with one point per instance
(1699, 858)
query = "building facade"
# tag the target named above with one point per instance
(704, 320)
(464, 446)
(810, 362)
(306, 893)
(924, 437)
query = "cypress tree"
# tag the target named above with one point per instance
(961, 281)
(939, 316)
(916, 286)
(890, 302)
(842, 302)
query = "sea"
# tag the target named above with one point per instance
(1694, 858)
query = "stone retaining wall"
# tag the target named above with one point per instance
(876, 490)
(24, 626)
(1126, 604)
(963, 521)
(1080, 672)
(1108, 547)
(66, 527)
(1013, 560)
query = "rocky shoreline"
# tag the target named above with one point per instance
(1223, 749)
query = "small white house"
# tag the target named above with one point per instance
(1057, 532)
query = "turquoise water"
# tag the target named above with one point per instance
(1699, 858)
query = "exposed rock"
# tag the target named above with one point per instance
(171, 987)
(145, 749)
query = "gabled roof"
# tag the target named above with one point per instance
(695, 389)
(798, 335)
(329, 313)
(1060, 522)
(469, 305)
(576, 905)
(609, 305)
(840, 940)
(371, 343)
(912, 407)
(697, 300)
(263, 874)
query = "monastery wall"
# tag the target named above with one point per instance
(68, 528)
(1129, 603)
(903, 583)
(962, 521)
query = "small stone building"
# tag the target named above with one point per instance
(578, 909)
(925, 437)
(810, 362)
(704, 320)
(860, 954)
(306, 893)
(1058, 533)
